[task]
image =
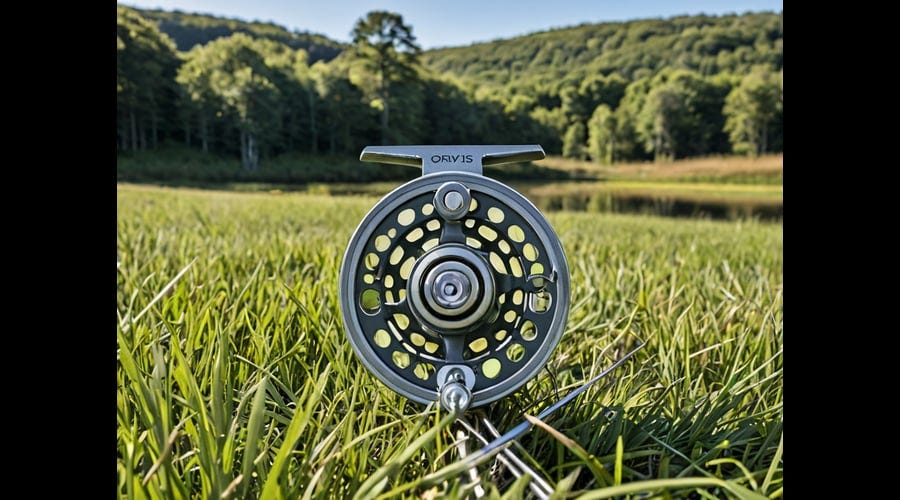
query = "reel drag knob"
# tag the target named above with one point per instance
(454, 287)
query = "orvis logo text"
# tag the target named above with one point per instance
(460, 158)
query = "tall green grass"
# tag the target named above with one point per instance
(234, 378)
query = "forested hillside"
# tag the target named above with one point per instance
(707, 45)
(189, 29)
(611, 92)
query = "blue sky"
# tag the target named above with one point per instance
(454, 22)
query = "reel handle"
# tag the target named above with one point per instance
(434, 159)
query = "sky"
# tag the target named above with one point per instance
(449, 23)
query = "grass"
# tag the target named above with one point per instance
(716, 187)
(766, 169)
(180, 166)
(234, 377)
(176, 165)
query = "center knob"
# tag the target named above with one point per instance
(451, 289)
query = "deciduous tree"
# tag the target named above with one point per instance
(603, 135)
(145, 69)
(573, 141)
(232, 74)
(751, 108)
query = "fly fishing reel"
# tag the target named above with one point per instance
(454, 287)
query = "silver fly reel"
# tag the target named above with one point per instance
(454, 287)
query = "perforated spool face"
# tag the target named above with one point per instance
(488, 290)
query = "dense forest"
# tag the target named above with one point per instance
(188, 30)
(639, 90)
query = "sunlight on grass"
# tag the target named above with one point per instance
(235, 380)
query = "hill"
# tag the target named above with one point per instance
(190, 29)
(705, 44)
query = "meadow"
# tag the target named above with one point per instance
(234, 378)
(718, 187)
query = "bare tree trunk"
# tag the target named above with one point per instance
(313, 129)
(385, 114)
(252, 153)
(133, 130)
(249, 151)
(123, 132)
(243, 149)
(143, 133)
(187, 132)
(204, 133)
(657, 145)
(384, 92)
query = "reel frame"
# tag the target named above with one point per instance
(454, 287)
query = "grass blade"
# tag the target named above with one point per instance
(299, 421)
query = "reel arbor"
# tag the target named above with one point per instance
(454, 287)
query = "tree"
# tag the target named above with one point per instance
(199, 101)
(572, 105)
(289, 73)
(344, 118)
(663, 114)
(230, 76)
(388, 50)
(599, 89)
(628, 111)
(553, 120)
(701, 132)
(573, 141)
(681, 115)
(750, 109)
(451, 116)
(603, 135)
(145, 68)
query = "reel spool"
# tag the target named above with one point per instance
(454, 287)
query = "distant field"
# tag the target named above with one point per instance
(187, 167)
(719, 188)
(234, 378)
(768, 169)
